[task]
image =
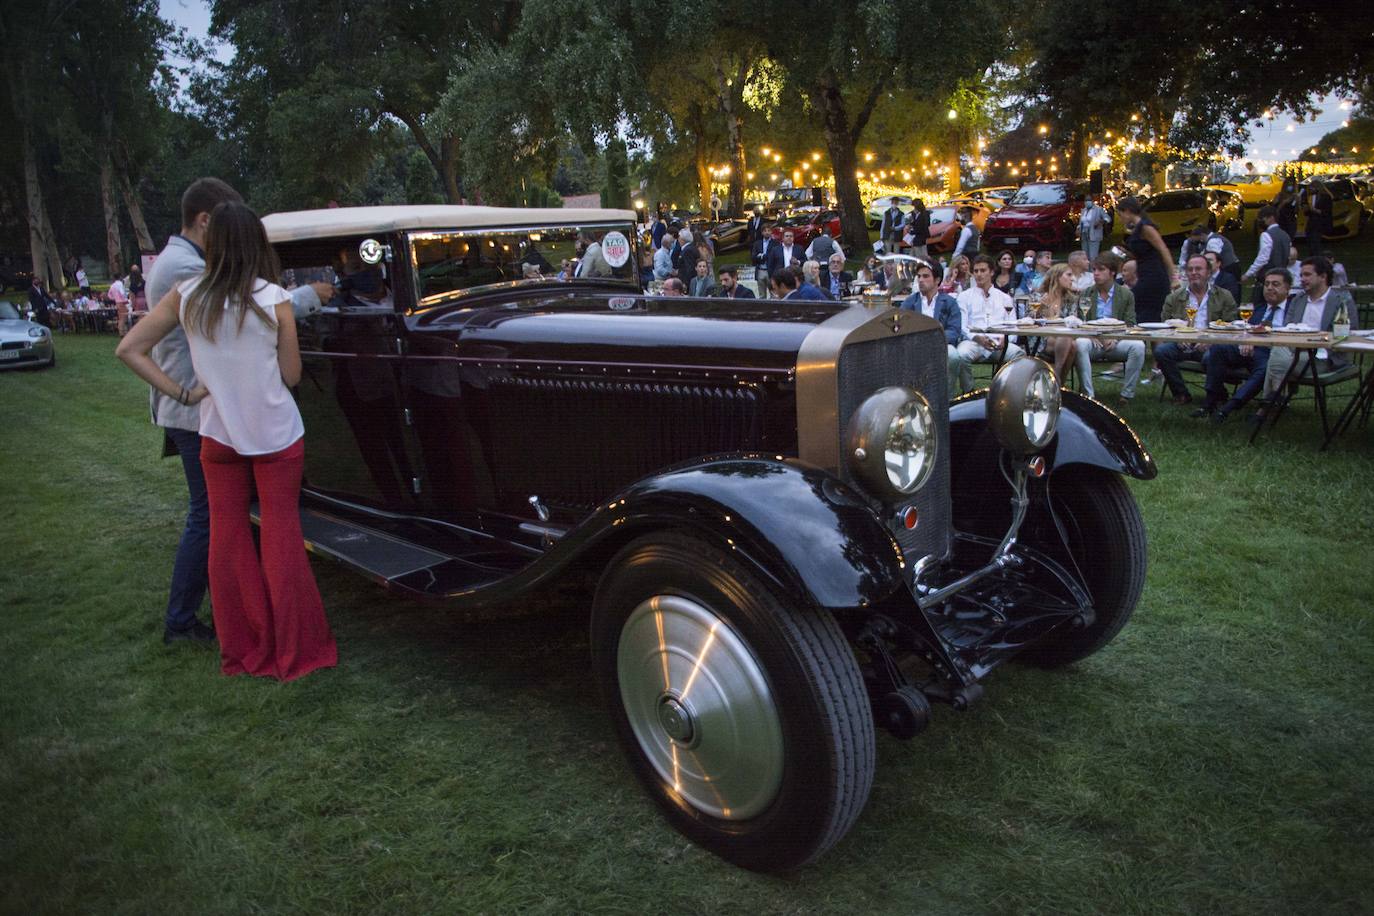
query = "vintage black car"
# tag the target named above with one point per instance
(795, 536)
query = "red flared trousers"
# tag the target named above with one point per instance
(268, 614)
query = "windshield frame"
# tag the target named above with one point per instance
(423, 302)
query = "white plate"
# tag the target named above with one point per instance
(1292, 331)
(1154, 325)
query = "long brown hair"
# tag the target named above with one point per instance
(237, 259)
(1053, 292)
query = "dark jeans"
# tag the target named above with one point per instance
(1220, 360)
(190, 571)
(1169, 355)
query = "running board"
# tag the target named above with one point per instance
(394, 562)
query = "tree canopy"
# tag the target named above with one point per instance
(113, 111)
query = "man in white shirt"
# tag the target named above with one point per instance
(1273, 250)
(969, 240)
(982, 305)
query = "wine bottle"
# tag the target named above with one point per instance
(1340, 325)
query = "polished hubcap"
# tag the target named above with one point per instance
(700, 707)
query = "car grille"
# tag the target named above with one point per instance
(13, 345)
(606, 434)
(917, 361)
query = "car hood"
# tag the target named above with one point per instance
(1038, 212)
(664, 332)
(16, 328)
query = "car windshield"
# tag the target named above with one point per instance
(8, 311)
(1252, 179)
(1169, 203)
(941, 214)
(452, 262)
(1039, 194)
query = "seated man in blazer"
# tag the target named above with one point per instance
(944, 308)
(834, 278)
(702, 284)
(729, 287)
(1316, 306)
(1110, 300)
(1212, 304)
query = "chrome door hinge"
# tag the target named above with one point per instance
(415, 485)
(405, 414)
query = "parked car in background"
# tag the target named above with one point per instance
(1041, 214)
(730, 234)
(23, 342)
(995, 197)
(806, 225)
(1348, 212)
(786, 200)
(981, 211)
(944, 229)
(879, 205)
(1255, 190)
(1177, 212)
(795, 537)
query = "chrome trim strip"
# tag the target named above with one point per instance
(818, 383)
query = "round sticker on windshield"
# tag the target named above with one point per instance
(621, 303)
(615, 248)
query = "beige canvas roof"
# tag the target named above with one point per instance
(314, 224)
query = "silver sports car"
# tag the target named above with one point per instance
(23, 343)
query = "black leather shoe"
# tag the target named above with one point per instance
(1218, 418)
(1180, 400)
(1200, 413)
(196, 633)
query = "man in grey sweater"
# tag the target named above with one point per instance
(183, 259)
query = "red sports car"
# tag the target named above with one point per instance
(806, 225)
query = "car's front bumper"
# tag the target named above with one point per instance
(39, 353)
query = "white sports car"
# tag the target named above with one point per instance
(22, 342)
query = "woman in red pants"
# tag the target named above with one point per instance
(242, 335)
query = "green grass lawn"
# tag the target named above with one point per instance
(1215, 758)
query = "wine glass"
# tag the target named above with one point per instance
(1085, 305)
(1192, 314)
(1035, 304)
(1246, 310)
(1008, 309)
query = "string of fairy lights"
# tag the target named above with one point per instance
(1112, 148)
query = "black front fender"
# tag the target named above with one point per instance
(1088, 433)
(800, 527)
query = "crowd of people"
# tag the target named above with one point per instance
(122, 303)
(1140, 281)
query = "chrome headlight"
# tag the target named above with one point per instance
(1023, 405)
(38, 332)
(892, 441)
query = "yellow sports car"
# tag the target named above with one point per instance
(1255, 190)
(1177, 212)
(1348, 214)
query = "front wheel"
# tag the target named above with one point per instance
(745, 718)
(1106, 540)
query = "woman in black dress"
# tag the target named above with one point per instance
(1154, 267)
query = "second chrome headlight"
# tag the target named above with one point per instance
(892, 441)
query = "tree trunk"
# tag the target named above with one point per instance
(113, 247)
(731, 95)
(134, 206)
(448, 169)
(1078, 155)
(840, 142)
(703, 175)
(45, 261)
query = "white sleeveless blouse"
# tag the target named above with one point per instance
(249, 407)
